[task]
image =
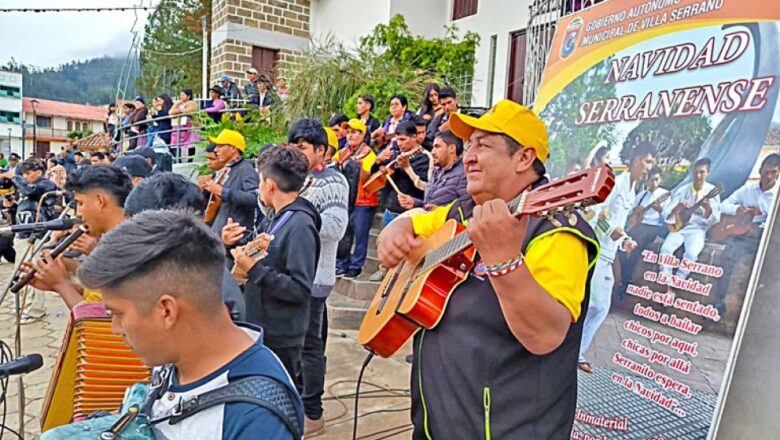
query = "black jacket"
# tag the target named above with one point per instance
(277, 293)
(420, 163)
(239, 196)
(32, 193)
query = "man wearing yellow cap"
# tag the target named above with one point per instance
(502, 362)
(238, 194)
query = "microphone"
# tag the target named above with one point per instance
(54, 225)
(22, 365)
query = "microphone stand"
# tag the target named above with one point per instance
(34, 244)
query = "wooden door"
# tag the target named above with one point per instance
(516, 77)
(264, 60)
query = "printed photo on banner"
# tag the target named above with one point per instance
(681, 99)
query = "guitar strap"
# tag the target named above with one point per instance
(278, 224)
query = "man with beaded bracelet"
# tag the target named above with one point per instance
(502, 361)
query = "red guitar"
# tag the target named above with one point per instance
(414, 294)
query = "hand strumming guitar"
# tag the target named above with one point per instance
(213, 187)
(242, 260)
(232, 232)
(398, 241)
(403, 161)
(707, 207)
(406, 201)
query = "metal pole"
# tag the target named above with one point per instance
(35, 133)
(9, 141)
(205, 63)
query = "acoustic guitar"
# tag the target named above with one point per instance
(414, 294)
(256, 249)
(735, 225)
(638, 213)
(378, 180)
(215, 200)
(682, 214)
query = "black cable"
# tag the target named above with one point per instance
(357, 393)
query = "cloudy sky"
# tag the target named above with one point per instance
(52, 38)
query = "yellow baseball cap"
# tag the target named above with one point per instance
(333, 140)
(229, 137)
(355, 124)
(509, 118)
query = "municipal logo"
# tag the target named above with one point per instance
(570, 37)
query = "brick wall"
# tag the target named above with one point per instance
(233, 56)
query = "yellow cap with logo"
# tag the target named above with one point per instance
(229, 137)
(509, 118)
(355, 124)
(333, 140)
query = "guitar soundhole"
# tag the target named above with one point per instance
(388, 288)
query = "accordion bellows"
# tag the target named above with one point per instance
(94, 369)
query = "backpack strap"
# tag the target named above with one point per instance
(256, 390)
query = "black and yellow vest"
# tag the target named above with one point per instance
(472, 379)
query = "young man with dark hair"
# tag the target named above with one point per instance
(238, 193)
(410, 177)
(100, 193)
(280, 285)
(449, 105)
(98, 158)
(422, 125)
(32, 185)
(335, 123)
(365, 105)
(448, 181)
(501, 363)
(609, 225)
(328, 190)
(693, 234)
(174, 192)
(160, 276)
(134, 165)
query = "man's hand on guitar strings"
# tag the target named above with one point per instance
(232, 232)
(243, 261)
(496, 233)
(396, 245)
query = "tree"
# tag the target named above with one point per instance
(171, 52)
(570, 141)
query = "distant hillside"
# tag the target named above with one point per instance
(82, 82)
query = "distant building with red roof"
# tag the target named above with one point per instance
(54, 120)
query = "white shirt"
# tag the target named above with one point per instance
(750, 195)
(620, 201)
(687, 193)
(645, 199)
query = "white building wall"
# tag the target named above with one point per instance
(347, 20)
(493, 17)
(11, 104)
(426, 18)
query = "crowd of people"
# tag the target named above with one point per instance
(167, 122)
(270, 237)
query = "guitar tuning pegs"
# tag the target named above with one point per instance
(572, 219)
(554, 221)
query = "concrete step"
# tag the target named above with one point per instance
(359, 288)
(379, 218)
(345, 313)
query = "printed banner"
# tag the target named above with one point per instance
(680, 97)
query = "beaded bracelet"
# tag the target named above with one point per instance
(504, 268)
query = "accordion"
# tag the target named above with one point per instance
(94, 369)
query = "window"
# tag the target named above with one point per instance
(463, 8)
(10, 92)
(10, 117)
(572, 6)
(43, 121)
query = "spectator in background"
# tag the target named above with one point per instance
(3, 161)
(138, 121)
(182, 137)
(430, 106)
(163, 107)
(448, 181)
(216, 105)
(421, 127)
(281, 88)
(13, 164)
(56, 173)
(398, 113)
(449, 105)
(112, 120)
(128, 109)
(264, 101)
(99, 158)
(135, 166)
(365, 105)
(229, 89)
(81, 161)
(250, 89)
(335, 123)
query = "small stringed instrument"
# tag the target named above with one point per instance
(215, 200)
(414, 294)
(378, 180)
(639, 212)
(256, 249)
(735, 225)
(682, 215)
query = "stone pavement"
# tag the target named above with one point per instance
(385, 382)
